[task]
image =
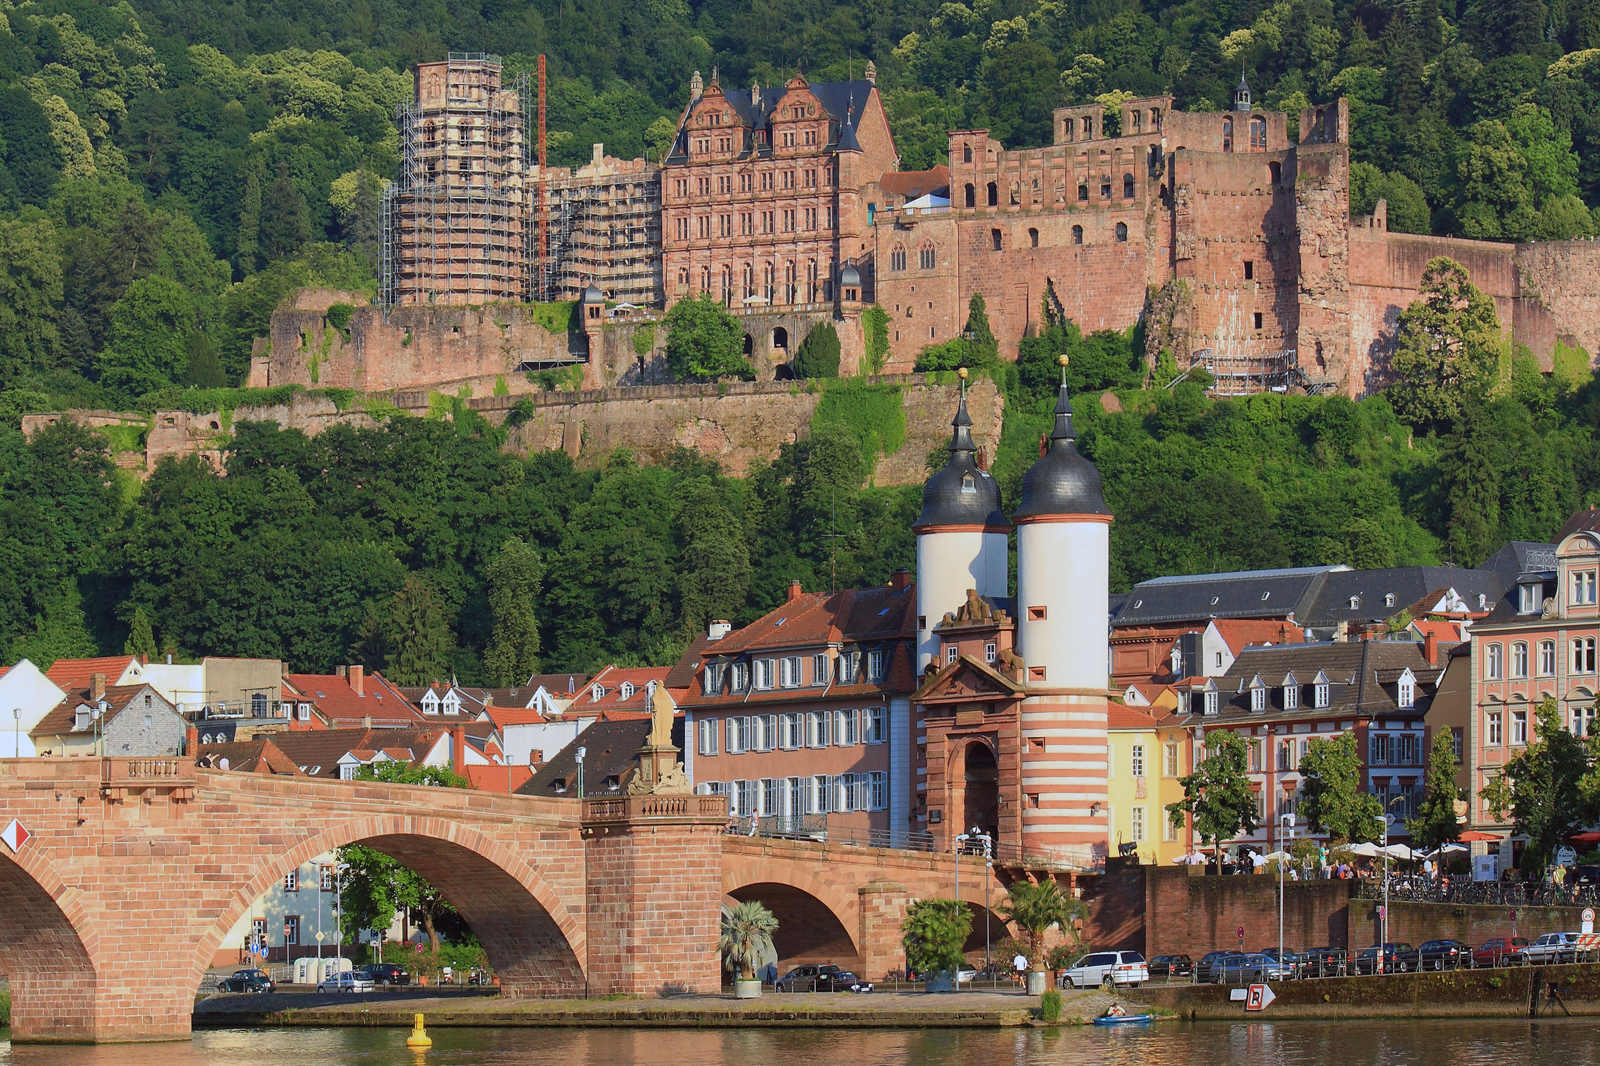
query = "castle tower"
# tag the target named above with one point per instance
(1063, 573)
(962, 535)
(1241, 94)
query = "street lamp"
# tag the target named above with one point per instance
(16, 732)
(582, 751)
(338, 912)
(976, 832)
(961, 842)
(1383, 919)
(1287, 823)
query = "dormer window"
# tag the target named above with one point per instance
(969, 483)
(875, 666)
(430, 703)
(80, 722)
(741, 677)
(452, 704)
(1355, 603)
(597, 693)
(1528, 599)
(1388, 599)
(1258, 697)
(1320, 694)
(625, 690)
(712, 682)
(1407, 690)
(1291, 695)
(1483, 597)
(1211, 703)
(649, 690)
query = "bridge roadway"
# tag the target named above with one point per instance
(135, 869)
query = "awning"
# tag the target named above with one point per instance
(1475, 837)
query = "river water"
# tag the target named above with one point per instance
(1567, 1042)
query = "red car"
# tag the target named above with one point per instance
(1499, 951)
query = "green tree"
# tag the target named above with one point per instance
(745, 937)
(1036, 907)
(1217, 795)
(1407, 204)
(1435, 822)
(976, 347)
(409, 635)
(30, 298)
(934, 933)
(59, 632)
(378, 887)
(1331, 799)
(714, 573)
(818, 355)
(204, 370)
(248, 240)
(1448, 348)
(1541, 787)
(704, 342)
(150, 328)
(285, 228)
(513, 578)
(141, 638)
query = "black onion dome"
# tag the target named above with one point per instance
(850, 276)
(1062, 482)
(961, 494)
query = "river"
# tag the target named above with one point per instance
(1353, 1043)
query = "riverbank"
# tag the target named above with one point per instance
(886, 1010)
(1511, 992)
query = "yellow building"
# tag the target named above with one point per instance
(1148, 752)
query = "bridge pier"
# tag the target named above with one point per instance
(654, 892)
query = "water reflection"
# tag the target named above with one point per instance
(1355, 1043)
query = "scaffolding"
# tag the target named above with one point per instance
(455, 227)
(604, 228)
(1246, 375)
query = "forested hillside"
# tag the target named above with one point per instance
(170, 169)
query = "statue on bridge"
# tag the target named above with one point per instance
(659, 772)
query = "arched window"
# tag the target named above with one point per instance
(465, 136)
(897, 257)
(1493, 667)
(727, 285)
(1137, 118)
(1258, 133)
(1067, 130)
(791, 290)
(972, 199)
(749, 279)
(1083, 193)
(1227, 135)
(1033, 237)
(1077, 234)
(430, 135)
(1547, 658)
(927, 257)
(1016, 194)
(1127, 186)
(705, 279)
(1122, 232)
(994, 195)
(996, 239)
(770, 278)
(966, 153)
(811, 281)
(1519, 659)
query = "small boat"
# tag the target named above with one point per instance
(1125, 1019)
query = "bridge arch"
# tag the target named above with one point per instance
(533, 940)
(817, 922)
(48, 951)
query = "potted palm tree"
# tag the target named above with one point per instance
(1034, 908)
(745, 941)
(933, 935)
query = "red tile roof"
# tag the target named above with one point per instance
(339, 702)
(258, 756)
(1240, 633)
(498, 778)
(914, 183)
(77, 673)
(1119, 716)
(611, 679)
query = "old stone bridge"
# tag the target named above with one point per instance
(133, 870)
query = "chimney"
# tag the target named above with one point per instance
(366, 721)
(597, 154)
(358, 679)
(794, 590)
(535, 757)
(901, 580)
(1430, 648)
(97, 686)
(458, 747)
(718, 629)
(191, 741)
(342, 671)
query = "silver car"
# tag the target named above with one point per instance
(348, 981)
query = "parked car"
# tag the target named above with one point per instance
(1107, 968)
(826, 978)
(1292, 965)
(1551, 947)
(1368, 961)
(1171, 966)
(387, 973)
(349, 981)
(1500, 951)
(1435, 955)
(1238, 968)
(246, 981)
(1325, 962)
(1203, 968)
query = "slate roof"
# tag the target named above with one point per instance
(1061, 482)
(611, 749)
(1580, 522)
(1408, 585)
(1363, 677)
(842, 100)
(1286, 593)
(961, 493)
(1520, 557)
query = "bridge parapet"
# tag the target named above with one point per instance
(621, 810)
(119, 777)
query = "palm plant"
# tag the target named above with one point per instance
(746, 937)
(1034, 908)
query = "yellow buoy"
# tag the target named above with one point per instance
(419, 1036)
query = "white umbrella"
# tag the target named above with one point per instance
(1278, 855)
(1397, 851)
(1366, 851)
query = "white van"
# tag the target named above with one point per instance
(1108, 968)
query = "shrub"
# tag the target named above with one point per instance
(818, 356)
(704, 342)
(1050, 1006)
(933, 934)
(339, 316)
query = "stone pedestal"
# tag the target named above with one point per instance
(654, 893)
(882, 913)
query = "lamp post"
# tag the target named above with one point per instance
(338, 912)
(1383, 924)
(961, 842)
(1287, 823)
(582, 751)
(977, 833)
(16, 732)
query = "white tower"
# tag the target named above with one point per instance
(1063, 574)
(962, 535)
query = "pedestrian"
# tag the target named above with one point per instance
(770, 974)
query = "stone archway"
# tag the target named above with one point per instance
(54, 974)
(808, 929)
(534, 944)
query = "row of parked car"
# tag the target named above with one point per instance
(361, 979)
(1239, 967)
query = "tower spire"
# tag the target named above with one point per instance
(961, 439)
(1063, 430)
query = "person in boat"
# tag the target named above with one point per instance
(1115, 1011)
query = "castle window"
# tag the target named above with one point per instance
(1249, 270)
(430, 135)
(1088, 127)
(1077, 234)
(897, 257)
(994, 194)
(1127, 186)
(1227, 135)
(1033, 237)
(972, 200)
(997, 239)
(1257, 317)
(1066, 130)
(1258, 133)
(1122, 232)
(1275, 173)
(927, 257)
(966, 153)
(1105, 190)
(1083, 193)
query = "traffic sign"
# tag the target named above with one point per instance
(1588, 919)
(319, 937)
(1241, 932)
(15, 835)
(1513, 915)
(1260, 998)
